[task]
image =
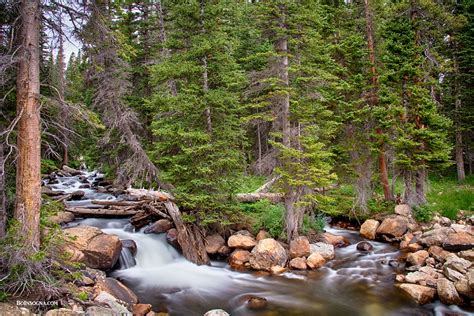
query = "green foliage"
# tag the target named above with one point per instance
(48, 165)
(316, 223)
(264, 215)
(83, 296)
(423, 213)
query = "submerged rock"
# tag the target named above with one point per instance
(172, 238)
(131, 245)
(216, 312)
(257, 303)
(364, 246)
(419, 293)
(299, 247)
(77, 195)
(335, 240)
(266, 254)
(369, 228)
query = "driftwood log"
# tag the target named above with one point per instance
(254, 197)
(190, 237)
(98, 212)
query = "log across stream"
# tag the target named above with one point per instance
(354, 283)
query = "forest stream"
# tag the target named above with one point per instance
(354, 283)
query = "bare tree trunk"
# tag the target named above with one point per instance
(64, 116)
(420, 186)
(259, 143)
(284, 100)
(293, 215)
(409, 193)
(459, 143)
(373, 97)
(3, 197)
(28, 177)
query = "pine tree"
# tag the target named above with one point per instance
(198, 130)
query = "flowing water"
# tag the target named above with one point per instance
(354, 283)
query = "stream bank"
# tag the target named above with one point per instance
(359, 282)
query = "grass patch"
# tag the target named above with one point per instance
(447, 197)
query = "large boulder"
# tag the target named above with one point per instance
(369, 228)
(239, 259)
(213, 243)
(266, 254)
(438, 253)
(62, 217)
(117, 289)
(434, 237)
(393, 226)
(447, 292)
(419, 293)
(325, 250)
(160, 226)
(457, 241)
(100, 250)
(315, 261)
(417, 258)
(242, 240)
(463, 288)
(299, 247)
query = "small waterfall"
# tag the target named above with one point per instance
(126, 259)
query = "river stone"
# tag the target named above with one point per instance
(141, 309)
(213, 243)
(463, 288)
(112, 302)
(421, 294)
(14, 310)
(160, 226)
(369, 228)
(77, 195)
(393, 226)
(257, 303)
(458, 241)
(224, 250)
(100, 311)
(438, 253)
(238, 259)
(100, 250)
(470, 278)
(335, 240)
(315, 261)
(403, 210)
(417, 258)
(452, 274)
(325, 250)
(217, 312)
(467, 254)
(61, 312)
(71, 171)
(117, 289)
(241, 241)
(277, 269)
(266, 254)
(298, 264)
(172, 238)
(434, 237)
(456, 263)
(62, 217)
(364, 246)
(131, 245)
(262, 234)
(447, 292)
(299, 247)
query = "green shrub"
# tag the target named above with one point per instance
(264, 215)
(83, 296)
(47, 166)
(423, 213)
(316, 223)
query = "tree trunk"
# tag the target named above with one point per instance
(408, 193)
(373, 97)
(3, 197)
(64, 116)
(459, 143)
(420, 187)
(281, 48)
(28, 177)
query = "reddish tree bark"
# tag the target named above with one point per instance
(28, 176)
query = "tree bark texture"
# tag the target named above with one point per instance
(28, 177)
(3, 197)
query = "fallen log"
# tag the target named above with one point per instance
(141, 218)
(190, 237)
(118, 203)
(254, 197)
(143, 194)
(101, 211)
